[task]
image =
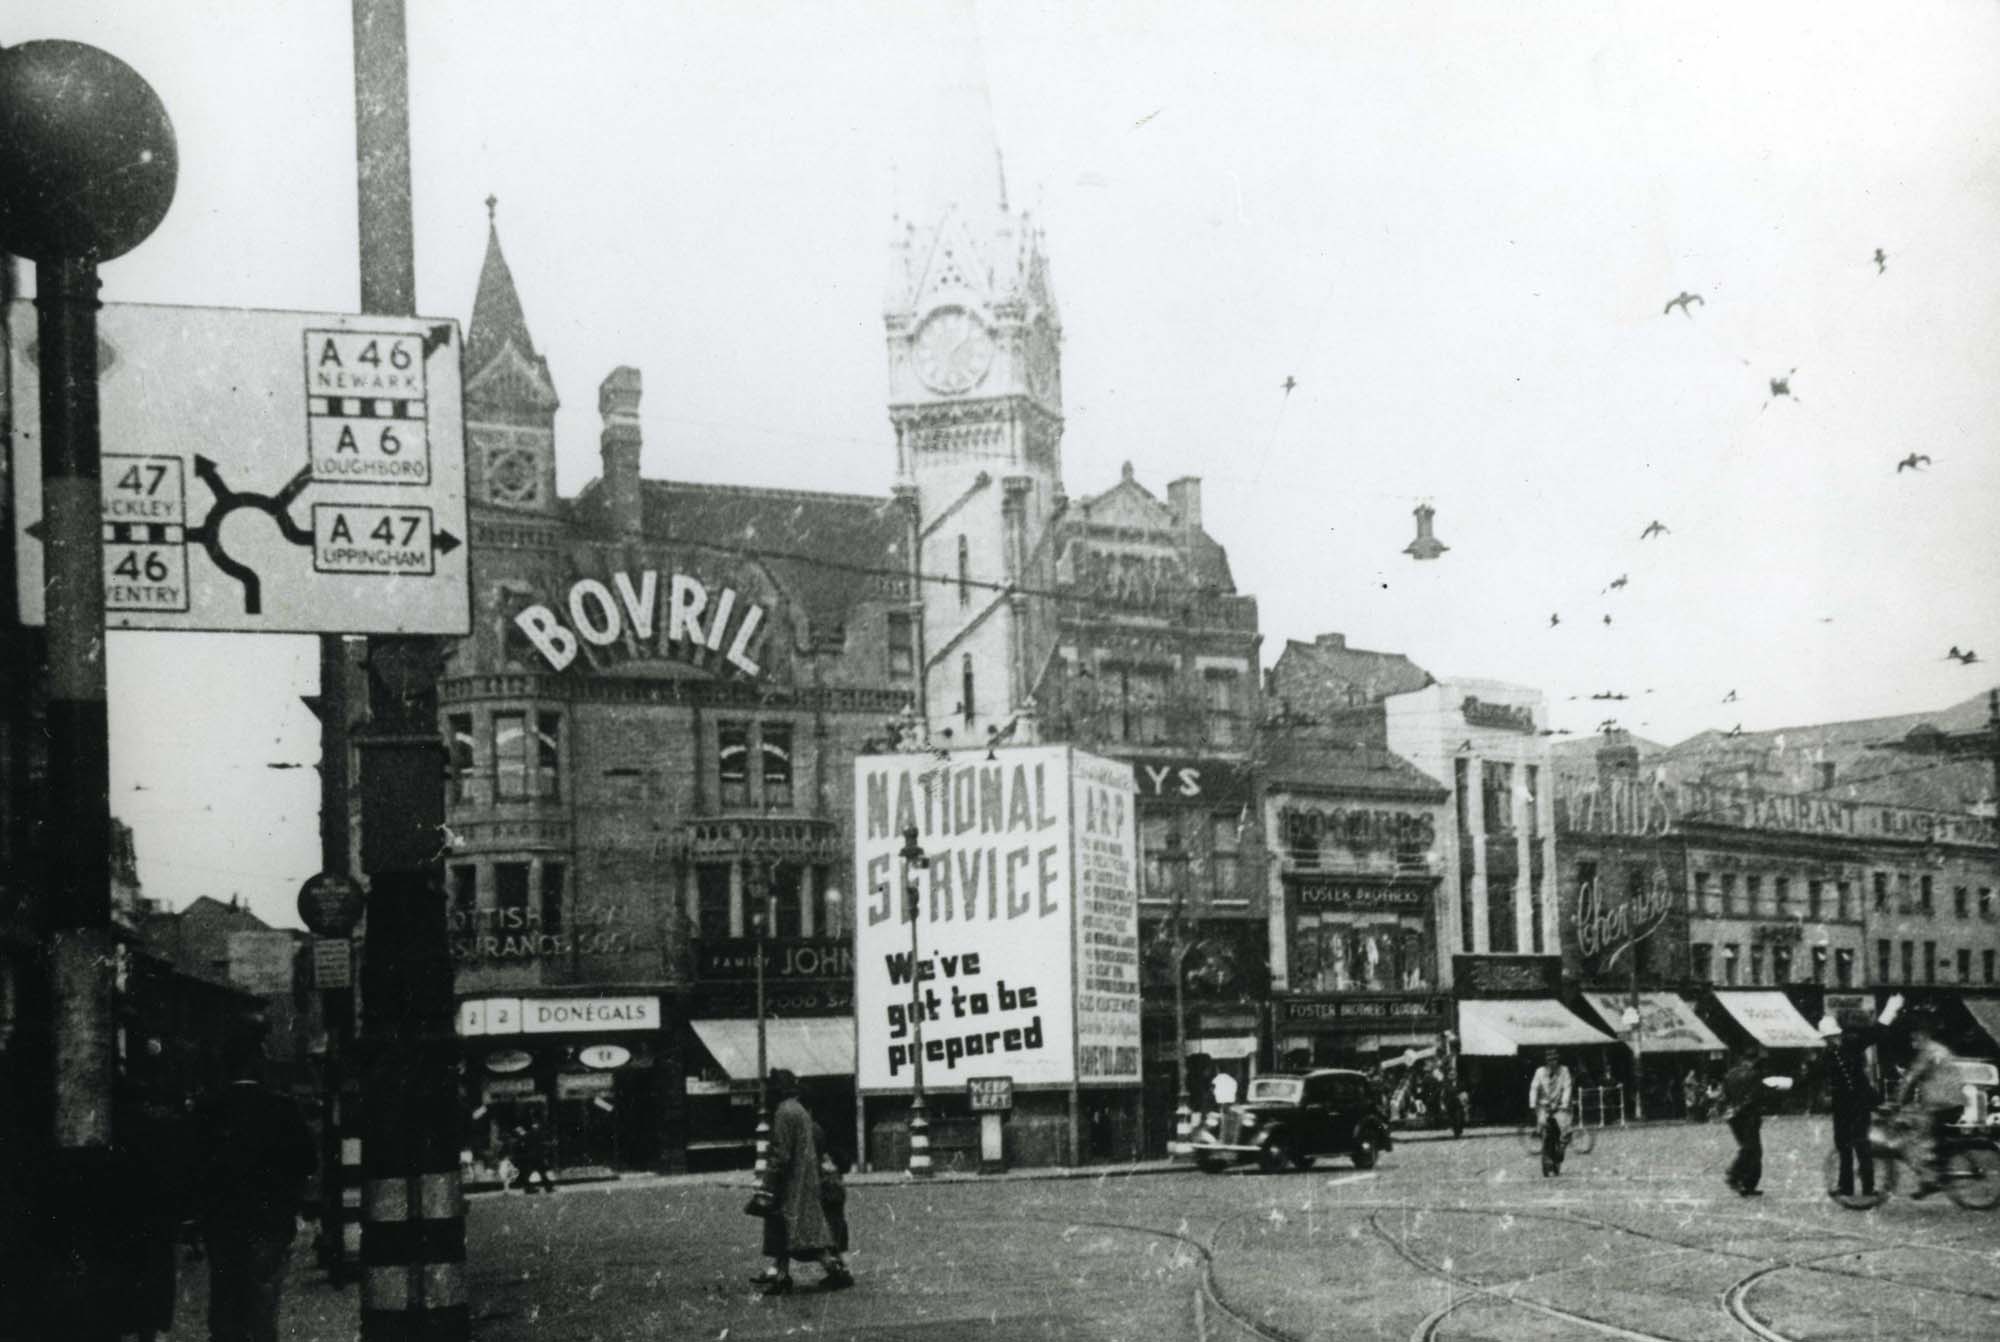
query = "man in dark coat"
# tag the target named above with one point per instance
(1743, 1105)
(253, 1156)
(1852, 1094)
(796, 1229)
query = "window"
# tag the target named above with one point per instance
(828, 916)
(1756, 965)
(1160, 874)
(1468, 913)
(1819, 964)
(1781, 897)
(1146, 707)
(1225, 849)
(1729, 971)
(1964, 965)
(1753, 896)
(1986, 902)
(1903, 902)
(1815, 898)
(1961, 901)
(1930, 962)
(1531, 801)
(1986, 965)
(1909, 962)
(968, 698)
(1881, 892)
(510, 886)
(1781, 964)
(732, 762)
(1843, 967)
(1497, 797)
(1500, 930)
(1826, 769)
(1702, 893)
(524, 768)
(1882, 971)
(711, 885)
(1729, 909)
(510, 756)
(464, 890)
(1700, 957)
(458, 727)
(774, 746)
(1925, 899)
(1461, 770)
(902, 646)
(552, 896)
(964, 572)
(787, 912)
(1844, 891)
(1221, 687)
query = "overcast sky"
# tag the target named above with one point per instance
(1455, 225)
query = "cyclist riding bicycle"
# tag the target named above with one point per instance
(1928, 1100)
(1549, 1097)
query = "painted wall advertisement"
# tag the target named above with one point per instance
(1026, 953)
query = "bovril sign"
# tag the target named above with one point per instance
(672, 615)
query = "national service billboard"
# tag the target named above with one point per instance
(1026, 957)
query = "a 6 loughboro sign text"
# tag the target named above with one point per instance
(1027, 945)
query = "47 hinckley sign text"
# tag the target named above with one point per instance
(1026, 954)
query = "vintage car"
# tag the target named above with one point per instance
(1295, 1118)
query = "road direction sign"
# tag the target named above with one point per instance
(267, 472)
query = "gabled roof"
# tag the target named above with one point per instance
(1129, 505)
(499, 325)
(1321, 764)
(1316, 678)
(830, 552)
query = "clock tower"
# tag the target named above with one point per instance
(975, 396)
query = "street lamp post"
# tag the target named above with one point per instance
(1635, 1029)
(914, 859)
(1175, 859)
(760, 919)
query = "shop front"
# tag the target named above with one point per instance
(1510, 1012)
(1670, 1053)
(585, 1071)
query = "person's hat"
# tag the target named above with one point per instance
(1828, 1026)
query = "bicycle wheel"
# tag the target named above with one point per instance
(1972, 1176)
(1582, 1140)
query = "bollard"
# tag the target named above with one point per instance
(763, 1167)
(920, 1141)
(1183, 1130)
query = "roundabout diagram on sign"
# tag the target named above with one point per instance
(345, 433)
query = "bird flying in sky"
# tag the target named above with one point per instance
(1881, 261)
(1289, 383)
(1780, 386)
(1608, 694)
(1965, 658)
(1655, 528)
(1681, 301)
(1607, 618)
(1554, 619)
(1729, 698)
(1916, 461)
(1617, 583)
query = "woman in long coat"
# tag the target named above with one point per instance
(796, 1229)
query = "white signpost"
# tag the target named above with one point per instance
(1027, 946)
(265, 472)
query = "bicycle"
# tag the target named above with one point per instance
(1577, 1138)
(1968, 1166)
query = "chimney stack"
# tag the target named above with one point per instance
(618, 403)
(1184, 501)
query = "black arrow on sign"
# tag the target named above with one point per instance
(436, 338)
(445, 542)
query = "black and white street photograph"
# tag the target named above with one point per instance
(1009, 670)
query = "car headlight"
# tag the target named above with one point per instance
(1249, 1121)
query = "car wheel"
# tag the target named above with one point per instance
(1364, 1153)
(1277, 1153)
(1972, 1176)
(1302, 1160)
(1212, 1164)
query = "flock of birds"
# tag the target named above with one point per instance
(1780, 387)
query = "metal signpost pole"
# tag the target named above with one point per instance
(760, 926)
(90, 163)
(413, 1227)
(920, 1124)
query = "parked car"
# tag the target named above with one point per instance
(1293, 1118)
(1979, 1082)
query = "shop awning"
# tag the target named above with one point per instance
(1770, 1018)
(1500, 1029)
(1223, 1045)
(1667, 1024)
(803, 1045)
(1986, 1011)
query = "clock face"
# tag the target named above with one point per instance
(952, 351)
(1041, 362)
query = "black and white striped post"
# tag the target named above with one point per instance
(914, 859)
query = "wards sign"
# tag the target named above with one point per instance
(1023, 957)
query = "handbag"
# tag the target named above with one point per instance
(760, 1204)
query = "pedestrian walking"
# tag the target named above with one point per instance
(832, 1189)
(1744, 1090)
(796, 1229)
(1852, 1094)
(531, 1155)
(253, 1155)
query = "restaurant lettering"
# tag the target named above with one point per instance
(1649, 808)
(599, 615)
(1507, 717)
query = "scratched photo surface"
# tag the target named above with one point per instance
(1223, 671)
